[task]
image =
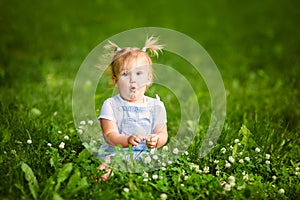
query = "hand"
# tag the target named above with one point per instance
(135, 139)
(152, 140)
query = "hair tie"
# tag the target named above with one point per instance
(144, 49)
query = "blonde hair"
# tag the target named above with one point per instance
(123, 57)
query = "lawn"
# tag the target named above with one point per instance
(254, 44)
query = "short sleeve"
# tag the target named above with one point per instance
(160, 116)
(107, 111)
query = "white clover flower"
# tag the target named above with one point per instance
(246, 177)
(55, 113)
(155, 157)
(82, 122)
(223, 150)
(163, 168)
(59, 132)
(244, 173)
(155, 176)
(241, 153)
(29, 141)
(236, 141)
(145, 179)
(126, 190)
(297, 168)
(231, 179)
(186, 178)
(182, 185)
(79, 131)
(164, 164)
(90, 122)
(175, 151)
(241, 161)
(66, 137)
(231, 147)
(281, 191)
(206, 169)
(165, 148)
(227, 187)
(274, 177)
(297, 173)
(49, 144)
(152, 151)
(227, 165)
(148, 159)
(247, 158)
(145, 174)
(186, 153)
(268, 156)
(257, 150)
(268, 162)
(170, 162)
(62, 145)
(210, 143)
(218, 173)
(231, 159)
(216, 161)
(163, 196)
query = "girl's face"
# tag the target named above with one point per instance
(133, 81)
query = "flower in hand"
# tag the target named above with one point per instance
(135, 139)
(152, 140)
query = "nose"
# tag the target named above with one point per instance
(132, 78)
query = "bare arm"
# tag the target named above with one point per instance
(113, 137)
(159, 136)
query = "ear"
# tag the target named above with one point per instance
(114, 80)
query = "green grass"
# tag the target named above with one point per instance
(255, 45)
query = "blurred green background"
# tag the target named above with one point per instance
(255, 44)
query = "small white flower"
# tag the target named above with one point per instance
(79, 131)
(165, 148)
(59, 132)
(82, 122)
(62, 145)
(29, 141)
(155, 157)
(55, 113)
(241, 161)
(236, 141)
(148, 159)
(163, 168)
(227, 165)
(274, 177)
(268, 162)
(152, 151)
(297, 168)
(231, 180)
(175, 151)
(281, 191)
(186, 178)
(186, 153)
(223, 150)
(145, 179)
(155, 176)
(268, 156)
(66, 137)
(231, 147)
(257, 150)
(206, 169)
(218, 173)
(227, 187)
(246, 177)
(163, 196)
(170, 162)
(49, 144)
(145, 174)
(90, 122)
(126, 190)
(247, 158)
(241, 153)
(216, 161)
(231, 159)
(182, 185)
(297, 173)
(210, 143)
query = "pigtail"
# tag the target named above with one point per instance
(113, 46)
(152, 46)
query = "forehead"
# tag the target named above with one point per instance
(139, 62)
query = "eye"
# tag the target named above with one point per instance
(124, 73)
(139, 73)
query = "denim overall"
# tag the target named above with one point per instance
(130, 119)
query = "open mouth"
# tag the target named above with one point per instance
(132, 89)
